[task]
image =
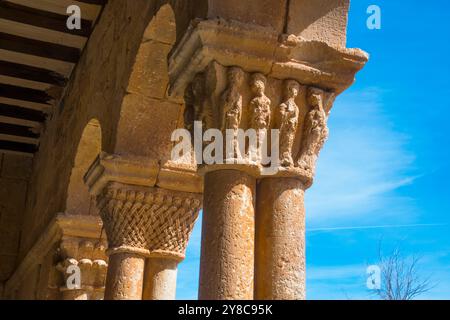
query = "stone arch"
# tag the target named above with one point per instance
(147, 116)
(78, 199)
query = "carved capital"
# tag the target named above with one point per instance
(75, 238)
(288, 121)
(89, 259)
(137, 215)
(235, 76)
(147, 221)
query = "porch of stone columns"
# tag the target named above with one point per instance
(292, 91)
(147, 227)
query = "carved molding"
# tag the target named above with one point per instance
(140, 171)
(259, 49)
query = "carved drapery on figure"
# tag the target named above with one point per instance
(288, 114)
(315, 130)
(282, 60)
(231, 106)
(241, 100)
(260, 112)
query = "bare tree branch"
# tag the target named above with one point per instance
(400, 276)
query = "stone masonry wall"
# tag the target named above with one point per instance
(14, 174)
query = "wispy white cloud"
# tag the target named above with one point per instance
(324, 229)
(329, 273)
(337, 282)
(362, 165)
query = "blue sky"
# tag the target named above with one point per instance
(384, 173)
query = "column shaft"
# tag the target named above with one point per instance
(75, 295)
(227, 261)
(160, 279)
(280, 240)
(125, 277)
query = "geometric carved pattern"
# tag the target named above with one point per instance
(146, 219)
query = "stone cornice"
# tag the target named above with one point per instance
(140, 171)
(257, 49)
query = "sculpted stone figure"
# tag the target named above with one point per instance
(288, 114)
(231, 104)
(315, 131)
(194, 97)
(260, 111)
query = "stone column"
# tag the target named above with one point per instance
(160, 279)
(280, 240)
(147, 227)
(226, 268)
(274, 84)
(168, 237)
(280, 219)
(214, 100)
(124, 209)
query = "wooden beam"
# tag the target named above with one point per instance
(25, 94)
(60, 67)
(19, 82)
(17, 147)
(45, 108)
(7, 110)
(39, 48)
(15, 130)
(29, 155)
(20, 122)
(89, 11)
(41, 18)
(6, 137)
(31, 73)
(41, 34)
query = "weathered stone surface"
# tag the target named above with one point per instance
(125, 277)
(227, 259)
(321, 20)
(69, 239)
(280, 240)
(78, 198)
(160, 279)
(145, 127)
(151, 82)
(16, 166)
(13, 193)
(266, 13)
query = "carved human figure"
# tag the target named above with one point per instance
(231, 104)
(260, 112)
(194, 99)
(288, 114)
(315, 130)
